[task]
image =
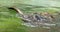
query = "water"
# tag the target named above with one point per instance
(52, 26)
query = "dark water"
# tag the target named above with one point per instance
(54, 26)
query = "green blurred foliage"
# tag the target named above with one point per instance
(9, 22)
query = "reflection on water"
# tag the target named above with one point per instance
(44, 26)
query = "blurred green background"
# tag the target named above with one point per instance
(10, 23)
